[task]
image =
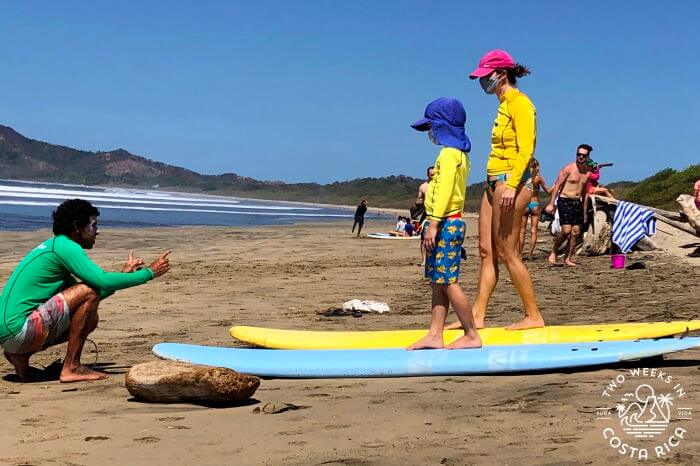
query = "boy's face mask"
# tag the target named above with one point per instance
(490, 83)
(431, 136)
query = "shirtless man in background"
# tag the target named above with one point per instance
(419, 209)
(570, 187)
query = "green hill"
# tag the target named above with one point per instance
(662, 189)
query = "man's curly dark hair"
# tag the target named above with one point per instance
(72, 213)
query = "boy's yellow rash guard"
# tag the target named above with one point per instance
(513, 137)
(447, 190)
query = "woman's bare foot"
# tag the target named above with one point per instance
(80, 374)
(527, 322)
(552, 258)
(464, 342)
(479, 318)
(570, 263)
(428, 342)
(21, 364)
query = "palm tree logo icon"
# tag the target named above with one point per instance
(644, 414)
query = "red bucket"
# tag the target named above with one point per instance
(618, 261)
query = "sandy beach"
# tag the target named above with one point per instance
(282, 277)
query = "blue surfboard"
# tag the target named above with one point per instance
(401, 363)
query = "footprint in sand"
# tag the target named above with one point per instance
(147, 439)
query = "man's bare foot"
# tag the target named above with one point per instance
(428, 342)
(80, 374)
(465, 342)
(570, 263)
(527, 322)
(21, 364)
(552, 258)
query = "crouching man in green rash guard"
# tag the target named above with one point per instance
(43, 304)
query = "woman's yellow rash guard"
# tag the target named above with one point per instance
(513, 137)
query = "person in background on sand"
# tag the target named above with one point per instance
(572, 196)
(444, 120)
(418, 210)
(533, 209)
(407, 231)
(593, 186)
(359, 217)
(43, 305)
(509, 187)
(697, 194)
(420, 201)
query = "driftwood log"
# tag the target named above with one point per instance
(177, 382)
(661, 215)
(596, 240)
(691, 212)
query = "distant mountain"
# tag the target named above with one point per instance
(22, 158)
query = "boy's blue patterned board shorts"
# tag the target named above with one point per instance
(442, 265)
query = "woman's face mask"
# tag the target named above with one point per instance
(490, 83)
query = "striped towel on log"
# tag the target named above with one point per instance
(630, 224)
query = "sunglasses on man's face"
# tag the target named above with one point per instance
(578, 154)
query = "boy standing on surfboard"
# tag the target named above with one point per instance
(444, 231)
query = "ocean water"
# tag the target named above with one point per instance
(28, 205)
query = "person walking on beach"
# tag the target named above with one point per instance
(533, 209)
(571, 196)
(43, 305)
(509, 187)
(360, 217)
(444, 231)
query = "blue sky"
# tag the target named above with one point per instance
(326, 90)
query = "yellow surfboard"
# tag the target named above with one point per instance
(300, 339)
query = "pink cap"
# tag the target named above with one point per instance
(495, 59)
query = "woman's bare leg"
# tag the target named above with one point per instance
(534, 222)
(523, 228)
(505, 230)
(488, 270)
(602, 191)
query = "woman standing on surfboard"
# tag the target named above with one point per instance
(509, 187)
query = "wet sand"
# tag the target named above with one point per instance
(281, 277)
